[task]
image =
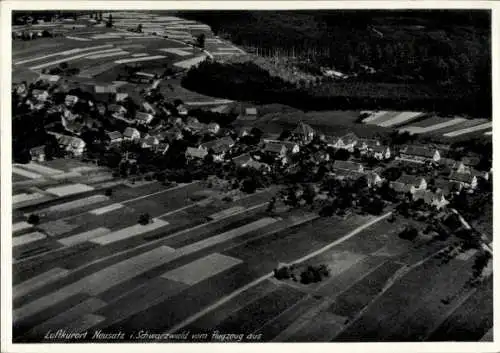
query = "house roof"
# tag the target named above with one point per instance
(150, 140)
(348, 174)
(461, 177)
(379, 149)
(420, 151)
(370, 143)
(71, 97)
(104, 89)
(427, 196)
(470, 161)
(196, 152)
(400, 187)
(69, 141)
(346, 165)
(39, 91)
(274, 147)
(447, 186)
(220, 145)
(289, 145)
(256, 164)
(143, 116)
(114, 135)
(410, 180)
(303, 129)
(116, 108)
(37, 150)
(119, 96)
(251, 111)
(130, 131)
(242, 159)
(349, 138)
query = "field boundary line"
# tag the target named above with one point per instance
(225, 299)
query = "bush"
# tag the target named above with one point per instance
(282, 273)
(144, 219)
(34, 219)
(108, 192)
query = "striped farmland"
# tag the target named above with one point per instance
(464, 124)
(400, 119)
(469, 130)
(431, 125)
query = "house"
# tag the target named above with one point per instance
(174, 134)
(276, 149)
(195, 153)
(149, 142)
(346, 142)
(213, 128)
(105, 89)
(381, 152)
(291, 147)
(114, 137)
(101, 108)
(181, 110)
(346, 174)
(38, 153)
(245, 131)
(419, 154)
(480, 174)
(447, 187)
(20, 89)
(251, 111)
(219, 147)
(148, 108)
(373, 179)
(70, 100)
(120, 97)
(436, 199)
(365, 145)
(131, 134)
(116, 109)
(72, 145)
(465, 179)
(143, 118)
(347, 165)
(305, 132)
(40, 95)
(470, 161)
(194, 125)
(409, 183)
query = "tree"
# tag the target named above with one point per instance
(200, 41)
(110, 21)
(144, 219)
(33, 219)
(271, 205)
(409, 233)
(63, 65)
(139, 28)
(249, 186)
(108, 192)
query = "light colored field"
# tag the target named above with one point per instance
(214, 102)
(64, 319)
(401, 118)
(84, 169)
(488, 133)
(129, 232)
(374, 115)
(100, 56)
(79, 39)
(106, 209)
(422, 130)
(25, 197)
(69, 189)
(38, 281)
(98, 282)
(227, 212)
(59, 227)
(66, 176)
(145, 58)
(85, 322)
(74, 204)
(178, 51)
(65, 52)
(469, 130)
(339, 261)
(138, 55)
(144, 37)
(96, 70)
(25, 173)
(16, 227)
(83, 237)
(71, 58)
(186, 64)
(226, 236)
(37, 168)
(201, 269)
(144, 74)
(27, 238)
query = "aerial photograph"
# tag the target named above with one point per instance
(223, 176)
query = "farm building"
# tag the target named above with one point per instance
(71, 145)
(436, 199)
(219, 147)
(38, 153)
(195, 153)
(419, 154)
(40, 95)
(116, 109)
(49, 78)
(305, 132)
(346, 142)
(381, 152)
(347, 165)
(277, 149)
(131, 134)
(409, 183)
(70, 100)
(143, 118)
(343, 174)
(466, 180)
(373, 179)
(213, 128)
(114, 137)
(149, 142)
(365, 145)
(120, 97)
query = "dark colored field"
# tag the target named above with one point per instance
(363, 292)
(252, 317)
(471, 320)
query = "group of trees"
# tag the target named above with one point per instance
(249, 82)
(311, 274)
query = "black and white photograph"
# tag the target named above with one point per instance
(204, 175)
